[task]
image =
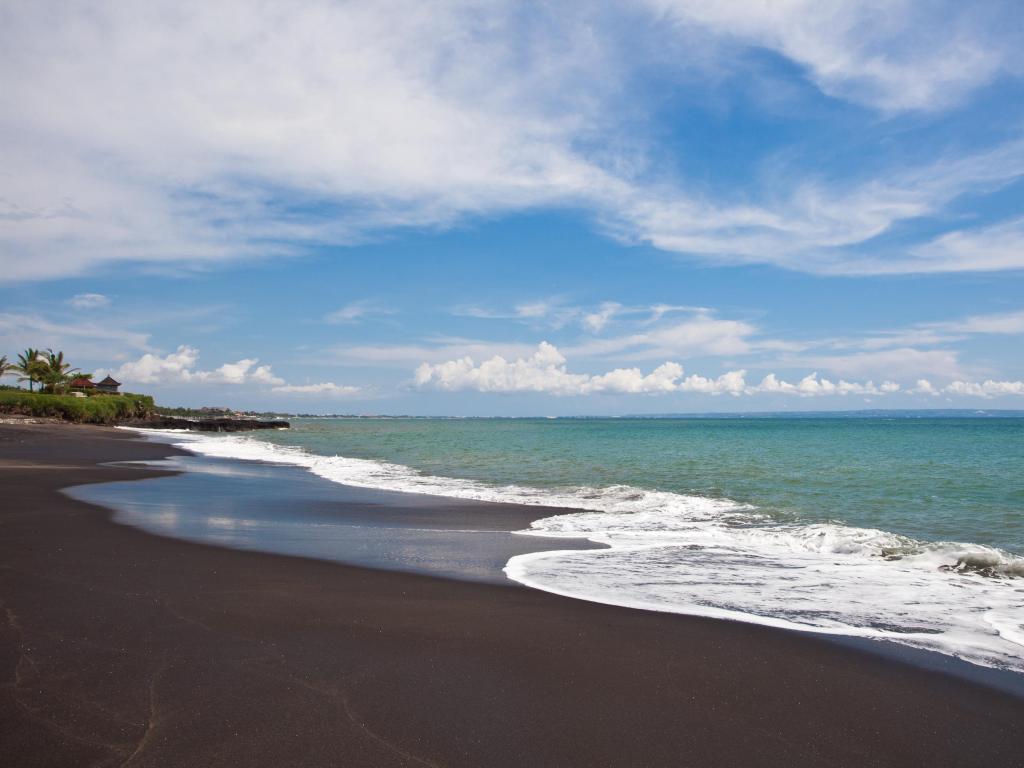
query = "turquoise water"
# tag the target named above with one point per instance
(934, 479)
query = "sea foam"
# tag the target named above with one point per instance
(719, 558)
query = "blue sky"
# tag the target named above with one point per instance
(509, 208)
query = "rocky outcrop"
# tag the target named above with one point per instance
(215, 424)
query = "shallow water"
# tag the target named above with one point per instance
(287, 511)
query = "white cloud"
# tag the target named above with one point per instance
(730, 383)
(323, 388)
(921, 334)
(357, 310)
(151, 369)
(924, 387)
(986, 389)
(899, 362)
(890, 54)
(179, 367)
(382, 114)
(436, 349)
(281, 127)
(999, 323)
(551, 312)
(702, 333)
(989, 248)
(264, 375)
(241, 372)
(596, 321)
(81, 338)
(811, 386)
(89, 301)
(821, 225)
(546, 371)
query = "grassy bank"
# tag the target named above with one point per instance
(100, 409)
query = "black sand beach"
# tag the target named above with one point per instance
(124, 648)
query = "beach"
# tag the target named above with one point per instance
(121, 647)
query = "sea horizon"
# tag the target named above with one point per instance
(852, 413)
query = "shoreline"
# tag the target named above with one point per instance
(121, 646)
(398, 508)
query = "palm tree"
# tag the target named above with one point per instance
(57, 372)
(5, 366)
(30, 366)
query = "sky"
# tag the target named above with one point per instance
(518, 208)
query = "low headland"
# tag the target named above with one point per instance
(67, 394)
(125, 409)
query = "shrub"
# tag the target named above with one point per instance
(110, 409)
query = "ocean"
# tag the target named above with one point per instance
(908, 529)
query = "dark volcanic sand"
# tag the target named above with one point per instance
(122, 648)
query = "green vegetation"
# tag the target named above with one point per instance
(54, 375)
(106, 409)
(49, 369)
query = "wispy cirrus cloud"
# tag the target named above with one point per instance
(866, 51)
(322, 388)
(90, 338)
(357, 311)
(89, 301)
(552, 312)
(282, 128)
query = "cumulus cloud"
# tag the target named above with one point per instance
(89, 301)
(811, 386)
(180, 367)
(729, 383)
(151, 368)
(546, 371)
(923, 387)
(281, 127)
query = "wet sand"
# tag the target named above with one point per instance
(288, 510)
(119, 647)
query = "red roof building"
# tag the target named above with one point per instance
(81, 383)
